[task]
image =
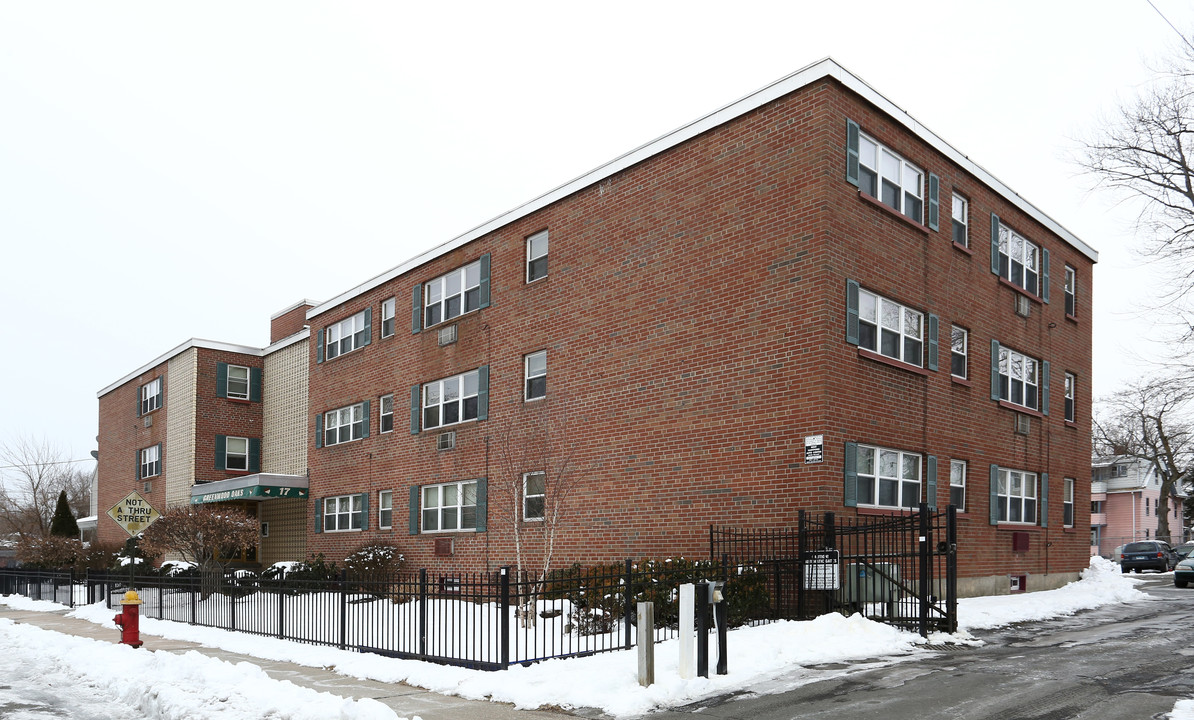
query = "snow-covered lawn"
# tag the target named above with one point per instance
(781, 655)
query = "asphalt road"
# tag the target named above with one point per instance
(1123, 662)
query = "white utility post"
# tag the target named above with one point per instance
(687, 631)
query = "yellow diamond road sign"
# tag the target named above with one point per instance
(134, 514)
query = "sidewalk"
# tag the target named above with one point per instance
(405, 700)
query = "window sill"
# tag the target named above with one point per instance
(871, 355)
(890, 211)
(239, 401)
(1071, 318)
(325, 446)
(870, 510)
(449, 426)
(1071, 424)
(1005, 526)
(960, 381)
(454, 318)
(344, 531)
(237, 472)
(537, 281)
(963, 248)
(1020, 409)
(447, 532)
(327, 359)
(1008, 283)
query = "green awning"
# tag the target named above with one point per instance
(259, 486)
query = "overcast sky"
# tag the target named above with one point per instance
(178, 170)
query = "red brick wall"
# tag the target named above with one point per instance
(221, 416)
(288, 323)
(694, 318)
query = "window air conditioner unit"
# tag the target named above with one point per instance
(1023, 423)
(447, 335)
(1023, 306)
(147, 421)
(147, 486)
(445, 441)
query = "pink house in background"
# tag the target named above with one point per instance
(1123, 504)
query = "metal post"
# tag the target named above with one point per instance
(925, 539)
(686, 631)
(281, 612)
(702, 629)
(723, 633)
(232, 601)
(194, 601)
(504, 626)
(627, 603)
(951, 569)
(800, 559)
(646, 644)
(343, 609)
(72, 588)
(422, 612)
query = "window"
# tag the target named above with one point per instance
(236, 453)
(238, 382)
(890, 329)
(453, 294)
(534, 496)
(961, 212)
(346, 335)
(890, 179)
(1096, 507)
(151, 461)
(1070, 383)
(888, 478)
(451, 506)
(1017, 496)
(537, 256)
(1018, 378)
(386, 419)
(536, 375)
(1068, 504)
(957, 484)
(1146, 500)
(151, 396)
(1071, 291)
(345, 512)
(1019, 260)
(959, 349)
(450, 401)
(387, 317)
(344, 424)
(385, 509)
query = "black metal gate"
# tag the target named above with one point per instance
(896, 568)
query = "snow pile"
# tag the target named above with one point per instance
(1183, 710)
(185, 686)
(20, 602)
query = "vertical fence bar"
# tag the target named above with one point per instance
(422, 619)
(504, 622)
(628, 588)
(343, 608)
(924, 538)
(951, 569)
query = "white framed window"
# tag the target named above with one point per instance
(959, 350)
(385, 509)
(344, 424)
(236, 453)
(450, 507)
(891, 179)
(238, 382)
(451, 400)
(387, 317)
(385, 420)
(1017, 496)
(344, 512)
(151, 461)
(452, 294)
(888, 478)
(345, 336)
(889, 328)
(1019, 378)
(537, 256)
(151, 396)
(961, 216)
(1068, 504)
(1071, 383)
(535, 375)
(1019, 260)
(534, 496)
(957, 484)
(1071, 291)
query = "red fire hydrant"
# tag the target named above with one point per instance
(129, 620)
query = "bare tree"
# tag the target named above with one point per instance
(201, 534)
(34, 473)
(1147, 421)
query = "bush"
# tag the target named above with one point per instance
(49, 553)
(314, 573)
(373, 561)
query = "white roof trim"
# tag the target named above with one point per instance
(192, 343)
(287, 341)
(287, 309)
(797, 80)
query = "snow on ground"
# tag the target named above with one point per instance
(767, 658)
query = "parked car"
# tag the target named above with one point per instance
(1147, 555)
(1183, 550)
(1184, 572)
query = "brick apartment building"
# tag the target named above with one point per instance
(648, 350)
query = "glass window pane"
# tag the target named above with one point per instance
(911, 467)
(912, 323)
(866, 461)
(470, 494)
(866, 306)
(889, 463)
(867, 151)
(891, 315)
(891, 167)
(888, 491)
(472, 273)
(431, 497)
(471, 383)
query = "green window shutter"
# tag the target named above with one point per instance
(137, 463)
(931, 482)
(483, 392)
(162, 385)
(318, 430)
(851, 312)
(221, 451)
(994, 488)
(934, 202)
(850, 476)
(1045, 387)
(934, 348)
(318, 347)
(255, 384)
(416, 409)
(995, 370)
(484, 289)
(414, 510)
(1044, 493)
(994, 243)
(482, 504)
(365, 412)
(368, 326)
(364, 510)
(137, 400)
(852, 152)
(416, 313)
(318, 515)
(255, 455)
(222, 380)
(161, 461)
(1044, 275)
